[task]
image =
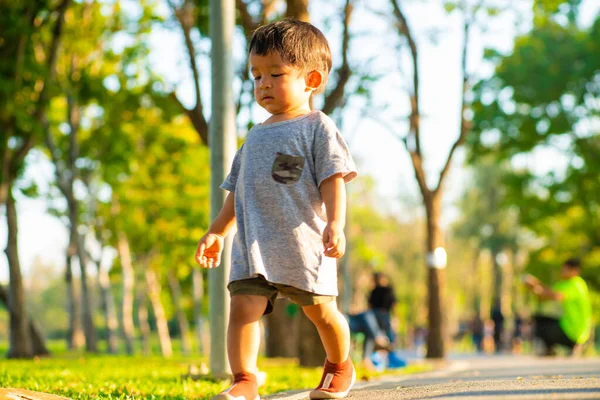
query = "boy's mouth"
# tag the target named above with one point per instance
(265, 98)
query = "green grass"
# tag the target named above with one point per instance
(80, 376)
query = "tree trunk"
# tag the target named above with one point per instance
(128, 282)
(159, 313)
(436, 279)
(508, 283)
(75, 336)
(474, 287)
(184, 326)
(20, 340)
(142, 300)
(89, 329)
(37, 339)
(198, 287)
(516, 300)
(108, 305)
(282, 333)
(498, 277)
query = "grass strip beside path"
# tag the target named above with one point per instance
(124, 377)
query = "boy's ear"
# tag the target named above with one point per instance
(313, 80)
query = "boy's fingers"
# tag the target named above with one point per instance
(334, 241)
(333, 253)
(200, 253)
(332, 249)
(325, 238)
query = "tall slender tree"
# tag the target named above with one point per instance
(473, 14)
(432, 196)
(27, 93)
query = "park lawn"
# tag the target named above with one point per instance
(81, 376)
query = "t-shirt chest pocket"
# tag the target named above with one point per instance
(287, 169)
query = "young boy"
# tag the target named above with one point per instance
(288, 198)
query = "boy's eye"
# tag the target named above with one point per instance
(257, 78)
(276, 75)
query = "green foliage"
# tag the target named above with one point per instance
(450, 6)
(24, 40)
(485, 214)
(543, 98)
(202, 17)
(545, 10)
(139, 160)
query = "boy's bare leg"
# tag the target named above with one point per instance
(338, 373)
(243, 340)
(243, 335)
(333, 330)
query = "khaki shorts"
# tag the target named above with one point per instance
(260, 287)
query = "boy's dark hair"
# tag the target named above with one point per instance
(298, 43)
(573, 263)
(378, 277)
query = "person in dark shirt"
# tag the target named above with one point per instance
(477, 332)
(498, 319)
(381, 302)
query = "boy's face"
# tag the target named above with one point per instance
(278, 88)
(567, 272)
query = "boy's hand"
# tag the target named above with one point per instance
(530, 280)
(334, 240)
(208, 254)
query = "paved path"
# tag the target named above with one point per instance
(497, 377)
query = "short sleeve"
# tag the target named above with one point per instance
(231, 180)
(331, 154)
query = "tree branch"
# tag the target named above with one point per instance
(414, 129)
(464, 124)
(297, 9)
(30, 17)
(336, 96)
(267, 9)
(185, 17)
(420, 175)
(58, 170)
(246, 19)
(40, 112)
(404, 30)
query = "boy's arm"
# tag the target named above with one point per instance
(542, 291)
(225, 221)
(208, 253)
(333, 191)
(545, 293)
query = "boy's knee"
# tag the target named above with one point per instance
(322, 312)
(247, 308)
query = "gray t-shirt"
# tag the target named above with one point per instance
(280, 214)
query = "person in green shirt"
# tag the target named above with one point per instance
(573, 323)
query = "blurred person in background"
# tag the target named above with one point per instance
(477, 332)
(381, 301)
(375, 338)
(571, 325)
(517, 336)
(498, 319)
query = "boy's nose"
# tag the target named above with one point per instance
(265, 84)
